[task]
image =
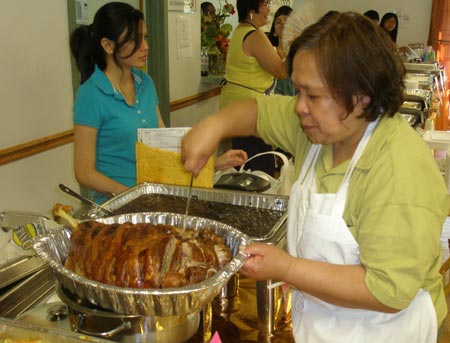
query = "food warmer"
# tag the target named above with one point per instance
(260, 216)
(142, 315)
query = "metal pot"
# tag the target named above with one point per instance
(92, 320)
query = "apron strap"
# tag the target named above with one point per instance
(339, 206)
(310, 162)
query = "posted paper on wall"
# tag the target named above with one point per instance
(184, 37)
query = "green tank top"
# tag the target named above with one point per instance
(245, 77)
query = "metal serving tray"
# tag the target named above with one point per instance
(249, 199)
(253, 200)
(422, 67)
(19, 331)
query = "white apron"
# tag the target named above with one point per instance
(317, 231)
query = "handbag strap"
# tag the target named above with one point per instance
(276, 153)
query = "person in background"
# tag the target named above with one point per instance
(275, 35)
(366, 212)
(389, 22)
(115, 99)
(372, 14)
(208, 10)
(252, 66)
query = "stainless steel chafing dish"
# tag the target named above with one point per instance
(423, 67)
(268, 298)
(53, 249)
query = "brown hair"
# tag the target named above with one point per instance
(355, 57)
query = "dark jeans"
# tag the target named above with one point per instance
(253, 146)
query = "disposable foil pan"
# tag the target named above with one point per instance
(53, 249)
(249, 199)
(18, 331)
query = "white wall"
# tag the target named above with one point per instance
(414, 16)
(91, 7)
(184, 53)
(36, 89)
(36, 101)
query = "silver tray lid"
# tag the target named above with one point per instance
(53, 249)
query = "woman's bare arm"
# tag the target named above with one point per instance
(341, 285)
(234, 120)
(258, 45)
(85, 139)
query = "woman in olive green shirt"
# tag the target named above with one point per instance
(366, 212)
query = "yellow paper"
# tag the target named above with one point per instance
(161, 166)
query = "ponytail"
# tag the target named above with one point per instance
(82, 50)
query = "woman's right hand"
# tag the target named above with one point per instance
(198, 144)
(235, 120)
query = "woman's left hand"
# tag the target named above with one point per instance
(231, 158)
(266, 262)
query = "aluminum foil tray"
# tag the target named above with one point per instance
(17, 331)
(422, 67)
(255, 200)
(53, 249)
(423, 93)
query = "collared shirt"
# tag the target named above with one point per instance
(396, 204)
(100, 106)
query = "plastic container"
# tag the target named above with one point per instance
(204, 62)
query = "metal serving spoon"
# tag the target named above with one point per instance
(71, 192)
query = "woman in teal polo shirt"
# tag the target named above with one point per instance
(115, 99)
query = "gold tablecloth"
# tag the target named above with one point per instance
(241, 325)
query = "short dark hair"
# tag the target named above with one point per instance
(355, 57)
(110, 21)
(372, 14)
(245, 6)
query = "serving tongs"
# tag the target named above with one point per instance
(71, 192)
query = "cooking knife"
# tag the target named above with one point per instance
(189, 196)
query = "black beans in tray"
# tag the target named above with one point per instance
(255, 222)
